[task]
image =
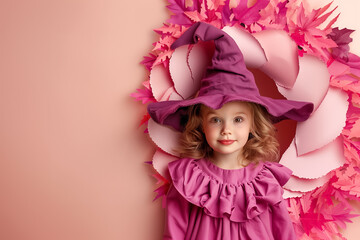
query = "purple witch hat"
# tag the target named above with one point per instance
(226, 80)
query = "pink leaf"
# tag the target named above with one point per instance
(294, 210)
(163, 56)
(340, 214)
(307, 25)
(143, 95)
(355, 130)
(172, 29)
(249, 15)
(356, 99)
(178, 7)
(311, 220)
(214, 4)
(189, 3)
(149, 61)
(195, 16)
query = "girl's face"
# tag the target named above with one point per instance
(227, 129)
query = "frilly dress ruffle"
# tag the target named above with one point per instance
(207, 202)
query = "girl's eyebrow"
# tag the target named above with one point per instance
(211, 114)
(214, 113)
(241, 113)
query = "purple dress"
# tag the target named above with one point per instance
(206, 202)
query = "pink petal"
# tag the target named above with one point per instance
(281, 52)
(160, 81)
(160, 163)
(325, 124)
(181, 74)
(315, 164)
(313, 72)
(254, 55)
(303, 185)
(164, 137)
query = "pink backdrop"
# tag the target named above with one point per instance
(71, 153)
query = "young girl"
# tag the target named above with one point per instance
(227, 186)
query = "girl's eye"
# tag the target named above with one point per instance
(238, 119)
(215, 120)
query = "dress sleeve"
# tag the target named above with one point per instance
(177, 215)
(281, 223)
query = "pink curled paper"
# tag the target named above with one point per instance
(160, 83)
(290, 194)
(199, 59)
(303, 185)
(180, 72)
(281, 53)
(175, 96)
(188, 66)
(317, 163)
(325, 124)
(312, 82)
(161, 161)
(164, 137)
(254, 55)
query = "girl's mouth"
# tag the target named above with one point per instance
(226, 142)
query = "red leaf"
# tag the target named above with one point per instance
(145, 119)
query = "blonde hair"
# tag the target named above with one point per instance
(262, 144)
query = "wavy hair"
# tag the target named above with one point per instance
(262, 144)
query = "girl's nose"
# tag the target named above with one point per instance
(225, 130)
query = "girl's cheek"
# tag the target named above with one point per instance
(214, 128)
(208, 125)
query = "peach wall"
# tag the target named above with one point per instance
(71, 152)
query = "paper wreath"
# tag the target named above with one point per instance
(283, 40)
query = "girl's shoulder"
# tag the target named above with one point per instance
(231, 193)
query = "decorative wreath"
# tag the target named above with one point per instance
(307, 62)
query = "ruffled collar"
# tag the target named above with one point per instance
(229, 176)
(239, 194)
